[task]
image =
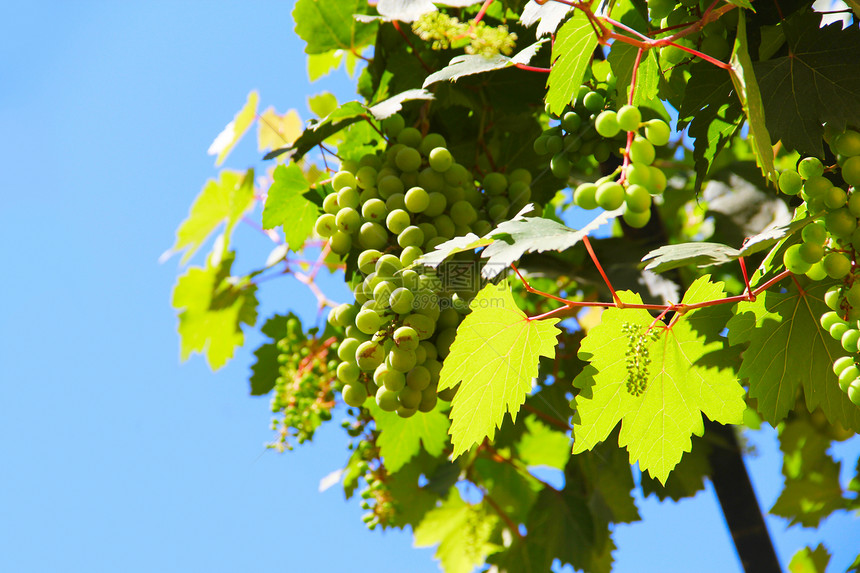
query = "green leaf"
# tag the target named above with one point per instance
(222, 201)
(682, 382)
(701, 254)
(266, 369)
(401, 438)
(286, 205)
(275, 130)
(230, 136)
(323, 104)
(465, 65)
(787, 349)
(327, 25)
(540, 445)
(571, 53)
(468, 242)
(563, 523)
(494, 358)
(745, 4)
(462, 531)
(622, 58)
(688, 477)
(810, 560)
(212, 309)
(816, 83)
(394, 104)
(609, 473)
(746, 86)
(512, 490)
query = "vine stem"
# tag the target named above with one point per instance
(560, 424)
(587, 243)
(505, 517)
(406, 39)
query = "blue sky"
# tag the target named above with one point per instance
(115, 456)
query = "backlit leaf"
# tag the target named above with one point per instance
(401, 438)
(571, 53)
(230, 136)
(325, 25)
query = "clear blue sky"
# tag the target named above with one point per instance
(114, 457)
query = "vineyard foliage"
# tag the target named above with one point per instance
(574, 233)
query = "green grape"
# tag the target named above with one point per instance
(354, 395)
(571, 122)
(642, 151)
(841, 363)
(610, 195)
(347, 198)
(386, 399)
(635, 219)
(657, 132)
(793, 260)
(347, 348)
(326, 225)
(397, 220)
(387, 266)
(816, 186)
(368, 321)
(828, 319)
(374, 210)
(520, 174)
(436, 205)
(410, 137)
(428, 400)
(854, 392)
(481, 227)
(348, 220)
(430, 180)
(519, 192)
(463, 213)
(417, 199)
(410, 255)
(816, 272)
(834, 198)
(392, 125)
(585, 196)
(440, 159)
(347, 372)
(495, 183)
(340, 243)
(343, 315)
(672, 55)
(837, 265)
(811, 252)
(854, 203)
(560, 165)
(444, 226)
(539, 145)
(392, 379)
(593, 102)
(637, 198)
(372, 236)
(409, 398)
(408, 159)
(629, 118)
(422, 324)
(815, 232)
(343, 179)
(330, 205)
(658, 181)
(849, 340)
(841, 223)
(847, 143)
(430, 142)
(606, 124)
(406, 338)
(810, 167)
(837, 330)
(640, 174)
(848, 376)
(389, 185)
(401, 360)
(382, 293)
(833, 297)
(554, 144)
(369, 355)
(366, 177)
(790, 182)
(851, 171)
(411, 236)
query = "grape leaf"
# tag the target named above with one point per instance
(468, 242)
(465, 65)
(275, 130)
(494, 358)
(401, 438)
(701, 254)
(746, 87)
(212, 309)
(622, 59)
(393, 104)
(682, 383)
(686, 479)
(222, 201)
(286, 205)
(326, 25)
(571, 53)
(462, 531)
(817, 82)
(609, 473)
(230, 136)
(512, 489)
(540, 445)
(548, 16)
(787, 349)
(405, 485)
(266, 368)
(810, 560)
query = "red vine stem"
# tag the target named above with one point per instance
(591, 254)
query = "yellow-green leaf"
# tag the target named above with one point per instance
(274, 131)
(227, 139)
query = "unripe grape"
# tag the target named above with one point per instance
(834, 198)
(448, 318)
(816, 186)
(642, 151)
(811, 252)
(841, 363)
(366, 177)
(559, 165)
(539, 145)
(444, 341)
(495, 183)
(368, 321)
(810, 167)
(397, 220)
(417, 199)
(340, 243)
(610, 195)
(419, 378)
(606, 124)
(347, 372)
(637, 220)
(401, 360)
(430, 142)
(794, 261)
(854, 391)
(629, 118)
(462, 213)
(428, 401)
(406, 338)
(840, 223)
(585, 196)
(440, 159)
(369, 355)
(837, 265)
(571, 122)
(354, 395)
(386, 399)
(408, 159)
(838, 329)
(444, 226)
(847, 376)
(392, 125)
(847, 144)
(409, 398)
(389, 185)
(814, 232)
(851, 171)
(833, 297)
(436, 205)
(828, 319)
(593, 102)
(430, 180)
(410, 137)
(410, 255)
(637, 198)
(423, 325)
(348, 220)
(330, 204)
(816, 272)
(849, 340)
(657, 132)
(410, 236)
(325, 225)
(372, 236)
(790, 182)
(343, 179)
(347, 198)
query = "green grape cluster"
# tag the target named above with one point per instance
(366, 462)
(633, 184)
(304, 389)
(637, 355)
(444, 32)
(830, 244)
(575, 140)
(387, 210)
